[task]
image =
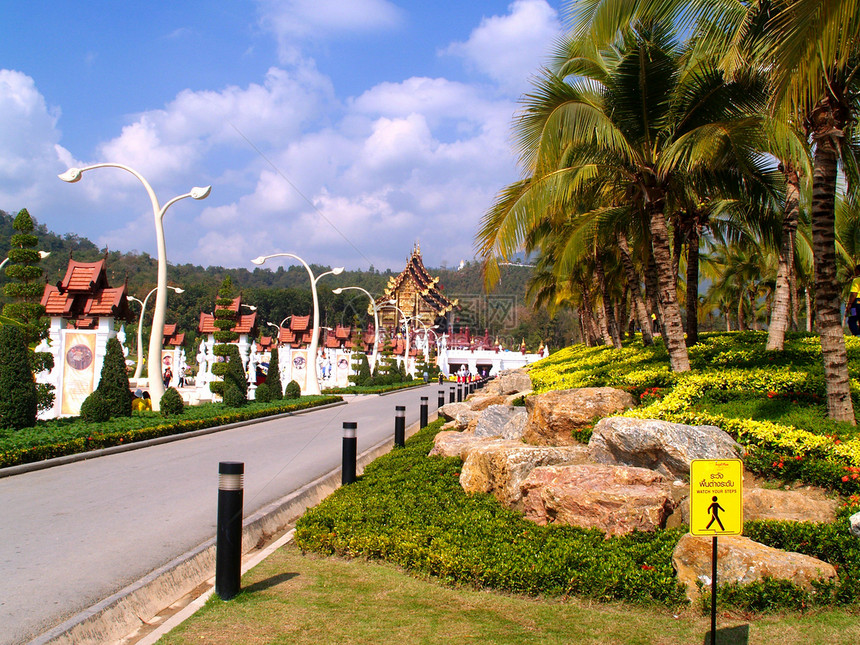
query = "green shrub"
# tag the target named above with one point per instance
(293, 390)
(273, 376)
(234, 397)
(113, 382)
(171, 403)
(235, 380)
(18, 396)
(95, 408)
(263, 393)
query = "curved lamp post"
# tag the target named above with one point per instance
(139, 366)
(313, 385)
(42, 255)
(375, 352)
(156, 386)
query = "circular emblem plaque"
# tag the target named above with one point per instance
(79, 357)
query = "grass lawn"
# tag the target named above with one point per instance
(291, 598)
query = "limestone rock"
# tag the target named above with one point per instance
(615, 499)
(503, 421)
(454, 443)
(449, 411)
(791, 505)
(855, 524)
(742, 560)
(480, 402)
(553, 416)
(499, 466)
(509, 382)
(665, 447)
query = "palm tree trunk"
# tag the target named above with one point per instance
(613, 338)
(587, 313)
(808, 310)
(827, 302)
(651, 292)
(633, 284)
(672, 328)
(693, 284)
(792, 281)
(782, 297)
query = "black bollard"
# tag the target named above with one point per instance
(459, 392)
(452, 395)
(350, 450)
(228, 538)
(400, 425)
(441, 401)
(424, 413)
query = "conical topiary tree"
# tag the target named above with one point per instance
(360, 369)
(225, 321)
(17, 386)
(235, 382)
(273, 376)
(25, 292)
(113, 382)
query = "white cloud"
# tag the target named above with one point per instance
(30, 154)
(510, 48)
(295, 22)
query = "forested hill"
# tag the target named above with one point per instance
(277, 292)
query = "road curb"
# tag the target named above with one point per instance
(128, 610)
(20, 469)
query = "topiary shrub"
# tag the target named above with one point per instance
(234, 397)
(95, 408)
(172, 403)
(294, 391)
(17, 386)
(235, 378)
(113, 383)
(273, 377)
(263, 393)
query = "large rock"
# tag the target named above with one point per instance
(499, 466)
(449, 411)
(855, 524)
(615, 499)
(769, 504)
(743, 561)
(665, 447)
(480, 402)
(503, 421)
(509, 382)
(455, 443)
(553, 416)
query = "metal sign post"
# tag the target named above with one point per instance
(716, 508)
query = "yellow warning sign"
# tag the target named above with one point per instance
(716, 497)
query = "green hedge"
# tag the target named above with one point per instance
(373, 389)
(410, 509)
(71, 436)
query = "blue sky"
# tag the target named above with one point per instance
(339, 130)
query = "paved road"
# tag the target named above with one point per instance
(73, 535)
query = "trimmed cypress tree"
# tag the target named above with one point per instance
(17, 386)
(360, 369)
(273, 376)
(225, 321)
(25, 292)
(235, 381)
(113, 382)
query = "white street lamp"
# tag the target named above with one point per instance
(313, 386)
(375, 353)
(274, 325)
(42, 254)
(140, 331)
(407, 320)
(156, 386)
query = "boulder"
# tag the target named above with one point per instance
(553, 416)
(665, 447)
(615, 499)
(449, 411)
(454, 443)
(743, 561)
(769, 504)
(509, 382)
(855, 524)
(480, 402)
(499, 466)
(503, 421)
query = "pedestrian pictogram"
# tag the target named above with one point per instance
(716, 497)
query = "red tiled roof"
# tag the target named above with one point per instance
(169, 329)
(83, 323)
(300, 323)
(106, 302)
(83, 277)
(56, 303)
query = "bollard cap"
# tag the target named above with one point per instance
(423, 398)
(349, 428)
(231, 475)
(400, 410)
(231, 468)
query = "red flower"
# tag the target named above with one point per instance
(845, 478)
(770, 395)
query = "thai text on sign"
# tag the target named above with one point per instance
(716, 497)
